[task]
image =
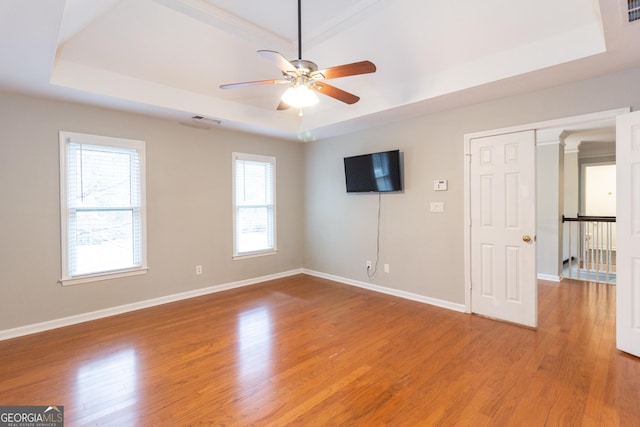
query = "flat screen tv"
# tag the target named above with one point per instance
(375, 172)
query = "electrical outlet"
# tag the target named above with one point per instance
(198, 269)
(437, 207)
(386, 268)
(369, 265)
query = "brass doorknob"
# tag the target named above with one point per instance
(526, 238)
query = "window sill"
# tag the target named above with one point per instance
(103, 276)
(255, 254)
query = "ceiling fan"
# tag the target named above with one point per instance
(305, 79)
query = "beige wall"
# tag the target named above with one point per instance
(189, 200)
(571, 208)
(189, 209)
(549, 208)
(425, 250)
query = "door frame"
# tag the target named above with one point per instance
(608, 115)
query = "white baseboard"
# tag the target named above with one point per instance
(549, 277)
(112, 311)
(390, 291)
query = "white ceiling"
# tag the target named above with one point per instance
(168, 57)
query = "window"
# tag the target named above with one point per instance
(102, 207)
(254, 205)
(633, 7)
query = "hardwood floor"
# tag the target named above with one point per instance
(307, 351)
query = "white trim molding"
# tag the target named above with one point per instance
(549, 277)
(112, 311)
(389, 291)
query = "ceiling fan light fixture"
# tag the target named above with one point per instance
(305, 79)
(300, 96)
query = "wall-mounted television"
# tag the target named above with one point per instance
(374, 172)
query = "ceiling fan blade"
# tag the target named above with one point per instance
(283, 106)
(362, 67)
(336, 93)
(256, 83)
(278, 60)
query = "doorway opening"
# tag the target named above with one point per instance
(589, 212)
(549, 237)
(595, 252)
(576, 187)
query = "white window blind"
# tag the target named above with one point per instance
(633, 10)
(102, 192)
(254, 204)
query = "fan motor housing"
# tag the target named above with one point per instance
(304, 66)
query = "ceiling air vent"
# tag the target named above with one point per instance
(201, 122)
(633, 10)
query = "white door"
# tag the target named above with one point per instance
(628, 238)
(503, 223)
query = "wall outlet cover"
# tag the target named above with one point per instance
(437, 207)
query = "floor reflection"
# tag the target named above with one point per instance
(254, 344)
(107, 385)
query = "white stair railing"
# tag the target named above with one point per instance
(592, 249)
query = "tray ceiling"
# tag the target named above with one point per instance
(168, 57)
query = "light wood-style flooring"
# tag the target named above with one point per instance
(305, 351)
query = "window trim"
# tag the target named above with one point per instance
(139, 146)
(257, 158)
